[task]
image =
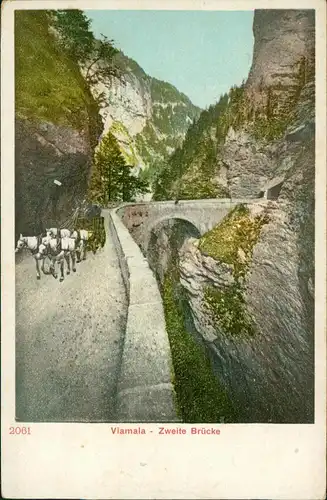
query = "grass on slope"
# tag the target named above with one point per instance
(232, 242)
(48, 84)
(199, 395)
(233, 239)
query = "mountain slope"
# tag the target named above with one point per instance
(57, 125)
(260, 144)
(261, 109)
(149, 117)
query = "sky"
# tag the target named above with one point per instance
(202, 53)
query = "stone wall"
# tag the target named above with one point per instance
(142, 219)
(145, 391)
(45, 152)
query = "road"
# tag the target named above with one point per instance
(69, 340)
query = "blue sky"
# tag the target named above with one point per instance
(202, 53)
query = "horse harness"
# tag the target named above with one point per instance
(38, 243)
(58, 246)
(78, 237)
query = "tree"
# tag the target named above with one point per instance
(95, 57)
(269, 105)
(111, 179)
(101, 65)
(75, 37)
(132, 185)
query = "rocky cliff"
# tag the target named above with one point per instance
(60, 118)
(57, 127)
(276, 59)
(279, 95)
(149, 117)
(250, 280)
(229, 154)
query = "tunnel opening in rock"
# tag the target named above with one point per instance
(273, 192)
(272, 189)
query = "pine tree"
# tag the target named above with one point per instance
(132, 185)
(269, 105)
(75, 35)
(111, 179)
(78, 41)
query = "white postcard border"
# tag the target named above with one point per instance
(66, 460)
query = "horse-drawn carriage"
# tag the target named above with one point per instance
(83, 231)
(96, 230)
(88, 217)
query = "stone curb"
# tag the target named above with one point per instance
(145, 392)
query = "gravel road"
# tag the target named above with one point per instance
(69, 340)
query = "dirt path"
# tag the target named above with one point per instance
(69, 339)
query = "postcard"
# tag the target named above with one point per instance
(163, 249)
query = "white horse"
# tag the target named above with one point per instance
(81, 237)
(54, 232)
(59, 250)
(32, 243)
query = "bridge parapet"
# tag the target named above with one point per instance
(142, 218)
(145, 390)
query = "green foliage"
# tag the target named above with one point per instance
(75, 37)
(198, 149)
(306, 70)
(129, 152)
(146, 175)
(200, 188)
(232, 242)
(133, 185)
(233, 239)
(162, 119)
(127, 65)
(53, 89)
(165, 92)
(200, 397)
(111, 179)
(228, 311)
(79, 43)
(159, 186)
(269, 121)
(270, 129)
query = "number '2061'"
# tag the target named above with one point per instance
(19, 430)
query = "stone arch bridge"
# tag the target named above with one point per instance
(141, 219)
(145, 391)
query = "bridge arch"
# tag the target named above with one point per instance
(195, 228)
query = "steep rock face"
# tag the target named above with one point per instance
(271, 374)
(248, 164)
(46, 152)
(282, 39)
(282, 72)
(56, 130)
(245, 122)
(127, 102)
(149, 117)
(251, 162)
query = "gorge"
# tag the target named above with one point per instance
(60, 120)
(249, 282)
(238, 290)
